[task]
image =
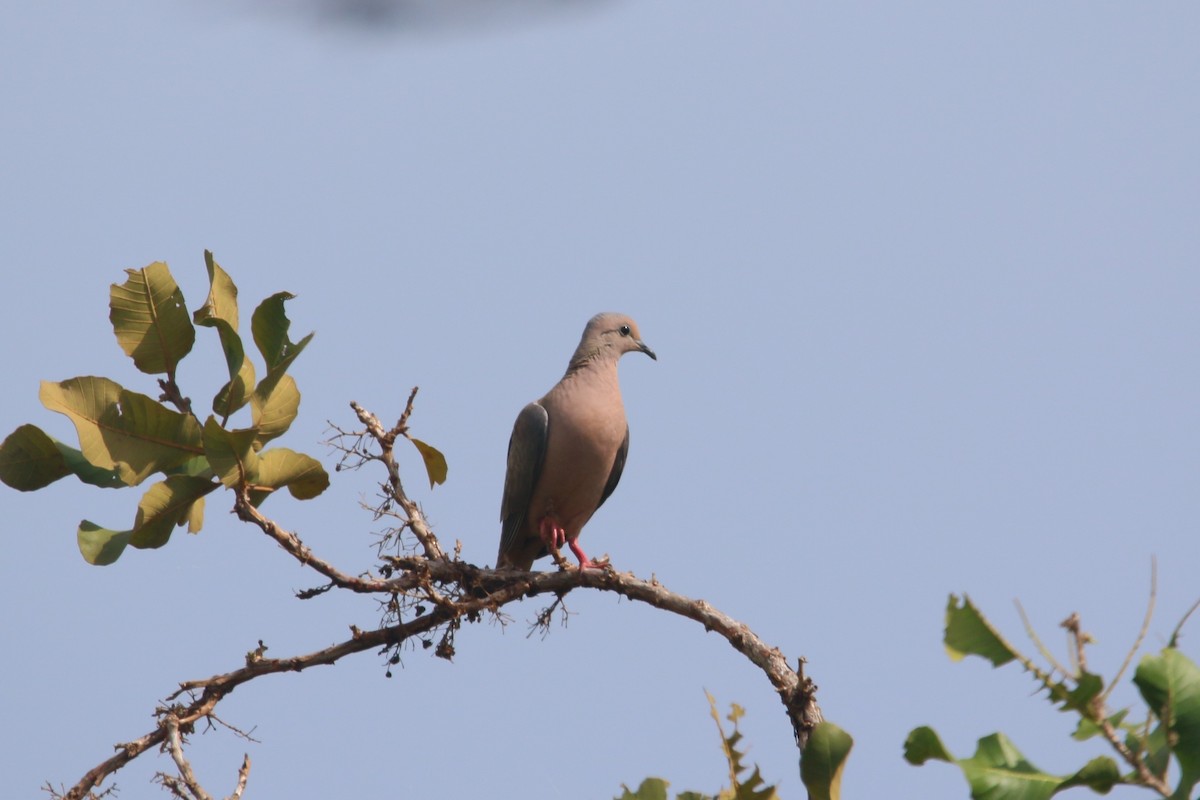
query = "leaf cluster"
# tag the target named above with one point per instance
(1167, 733)
(821, 764)
(125, 437)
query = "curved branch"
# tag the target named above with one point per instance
(456, 590)
(495, 588)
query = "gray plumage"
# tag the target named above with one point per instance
(568, 449)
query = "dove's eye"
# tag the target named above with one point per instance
(625, 331)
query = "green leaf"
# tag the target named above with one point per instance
(650, 789)
(30, 459)
(1100, 775)
(235, 393)
(435, 462)
(197, 466)
(1087, 728)
(273, 407)
(150, 320)
(278, 467)
(231, 453)
(86, 471)
(968, 633)
(165, 505)
(270, 325)
(1170, 685)
(998, 771)
(220, 311)
(101, 546)
(823, 760)
(1156, 747)
(123, 430)
(1078, 698)
(923, 744)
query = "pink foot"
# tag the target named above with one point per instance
(553, 535)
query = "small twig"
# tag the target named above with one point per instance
(544, 617)
(1079, 642)
(386, 441)
(1045, 651)
(175, 746)
(171, 394)
(243, 775)
(291, 543)
(1137, 643)
(402, 425)
(1134, 760)
(1173, 641)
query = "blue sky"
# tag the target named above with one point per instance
(923, 284)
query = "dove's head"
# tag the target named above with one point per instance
(610, 335)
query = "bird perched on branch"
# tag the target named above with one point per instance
(568, 449)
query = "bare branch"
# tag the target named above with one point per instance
(291, 542)
(243, 775)
(175, 746)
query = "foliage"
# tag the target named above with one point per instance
(426, 592)
(741, 786)
(125, 437)
(1169, 733)
(822, 761)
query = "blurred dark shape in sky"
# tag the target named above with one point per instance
(423, 15)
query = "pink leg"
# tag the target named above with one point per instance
(584, 561)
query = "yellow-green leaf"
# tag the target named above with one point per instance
(165, 505)
(222, 295)
(649, 789)
(969, 633)
(123, 430)
(278, 467)
(824, 760)
(435, 462)
(220, 312)
(231, 453)
(274, 406)
(195, 518)
(100, 546)
(270, 325)
(150, 320)
(29, 460)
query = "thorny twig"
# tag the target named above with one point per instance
(1098, 711)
